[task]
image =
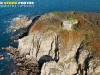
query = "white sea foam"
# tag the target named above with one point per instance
(15, 19)
(13, 73)
(7, 21)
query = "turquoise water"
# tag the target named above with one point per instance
(9, 14)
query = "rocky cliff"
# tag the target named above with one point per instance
(61, 43)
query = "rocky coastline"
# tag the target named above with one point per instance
(58, 43)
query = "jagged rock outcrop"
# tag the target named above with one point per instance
(61, 68)
(23, 22)
(61, 44)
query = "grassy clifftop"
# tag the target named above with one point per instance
(86, 30)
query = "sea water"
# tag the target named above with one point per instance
(8, 15)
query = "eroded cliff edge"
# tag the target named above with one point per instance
(61, 43)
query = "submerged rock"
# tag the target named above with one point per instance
(1, 57)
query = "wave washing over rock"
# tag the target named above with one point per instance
(60, 43)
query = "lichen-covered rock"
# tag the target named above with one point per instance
(25, 45)
(97, 69)
(61, 68)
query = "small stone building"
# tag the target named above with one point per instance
(67, 25)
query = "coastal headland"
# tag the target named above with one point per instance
(58, 43)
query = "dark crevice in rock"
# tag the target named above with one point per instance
(78, 52)
(43, 59)
(51, 47)
(81, 70)
(23, 34)
(57, 50)
(34, 20)
(28, 28)
(87, 60)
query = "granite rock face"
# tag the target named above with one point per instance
(61, 44)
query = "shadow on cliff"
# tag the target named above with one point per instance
(28, 28)
(86, 61)
(43, 59)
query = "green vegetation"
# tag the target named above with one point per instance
(58, 13)
(73, 21)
